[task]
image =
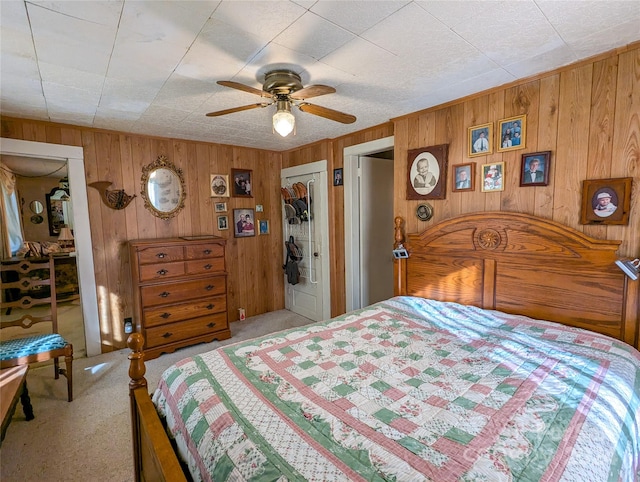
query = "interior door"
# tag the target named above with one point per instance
(376, 235)
(310, 296)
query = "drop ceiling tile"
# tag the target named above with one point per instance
(545, 61)
(507, 41)
(262, 19)
(575, 20)
(79, 79)
(326, 36)
(356, 16)
(97, 12)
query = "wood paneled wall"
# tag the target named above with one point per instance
(254, 264)
(587, 115)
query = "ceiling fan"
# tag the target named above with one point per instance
(284, 88)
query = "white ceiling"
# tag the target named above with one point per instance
(150, 67)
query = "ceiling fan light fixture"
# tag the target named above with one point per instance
(283, 120)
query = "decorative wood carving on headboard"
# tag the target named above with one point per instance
(518, 263)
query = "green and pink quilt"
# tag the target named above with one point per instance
(410, 389)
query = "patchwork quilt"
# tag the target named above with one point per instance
(410, 389)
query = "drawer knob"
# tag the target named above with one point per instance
(207, 251)
(209, 287)
(211, 325)
(162, 272)
(164, 294)
(210, 306)
(165, 315)
(161, 255)
(168, 334)
(207, 266)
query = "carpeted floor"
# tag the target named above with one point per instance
(89, 439)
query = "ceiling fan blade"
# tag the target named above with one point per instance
(236, 109)
(312, 91)
(245, 88)
(331, 114)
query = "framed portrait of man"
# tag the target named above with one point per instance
(464, 177)
(427, 172)
(606, 201)
(534, 170)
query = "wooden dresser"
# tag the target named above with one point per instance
(180, 292)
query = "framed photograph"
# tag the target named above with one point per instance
(243, 220)
(427, 172)
(337, 177)
(220, 207)
(492, 177)
(534, 170)
(241, 182)
(606, 201)
(464, 177)
(223, 222)
(219, 185)
(512, 133)
(480, 140)
(263, 226)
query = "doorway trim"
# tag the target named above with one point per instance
(74, 157)
(311, 168)
(352, 209)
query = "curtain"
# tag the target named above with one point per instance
(11, 236)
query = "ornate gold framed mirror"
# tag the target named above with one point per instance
(163, 188)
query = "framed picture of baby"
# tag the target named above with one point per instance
(243, 223)
(606, 201)
(427, 172)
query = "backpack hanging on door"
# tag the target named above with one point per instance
(294, 254)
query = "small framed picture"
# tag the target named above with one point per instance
(534, 170)
(243, 220)
(606, 201)
(219, 185)
(220, 207)
(480, 141)
(223, 222)
(427, 172)
(464, 177)
(512, 133)
(337, 177)
(492, 177)
(241, 182)
(263, 226)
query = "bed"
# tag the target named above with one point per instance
(456, 378)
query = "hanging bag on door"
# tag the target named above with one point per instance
(294, 254)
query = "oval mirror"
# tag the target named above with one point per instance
(163, 188)
(36, 207)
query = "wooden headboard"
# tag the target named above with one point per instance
(518, 263)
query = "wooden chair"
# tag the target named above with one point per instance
(28, 283)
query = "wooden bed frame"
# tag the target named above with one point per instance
(511, 262)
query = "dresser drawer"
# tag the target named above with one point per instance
(199, 266)
(199, 251)
(161, 335)
(168, 293)
(183, 311)
(159, 271)
(158, 254)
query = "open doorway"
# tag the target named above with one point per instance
(368, 218)
(74, 158)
